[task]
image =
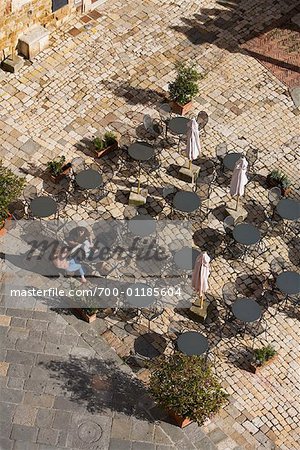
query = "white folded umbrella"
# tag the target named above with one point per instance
(193, 142)
(200, 274)
(239, 178)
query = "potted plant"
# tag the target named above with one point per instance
(106, 144)
(11, 187)
(88, 313)
(58, 168)
(262, 357)
(186, 387)
(184, 88)
(278, 178)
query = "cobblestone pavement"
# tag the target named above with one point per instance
(278, 49)
(106, 77)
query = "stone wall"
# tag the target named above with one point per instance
(16, 16)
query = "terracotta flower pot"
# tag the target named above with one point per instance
(181, 109)
(182, 422)
(256, 369)
(4, 226)
(106, 150)
(285, 191)
(81, 313)
(64, 172)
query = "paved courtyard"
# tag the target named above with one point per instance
(58, 374)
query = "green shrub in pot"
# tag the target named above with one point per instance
(184, 88)
(55, 166)
(186, 386)
(11, 187)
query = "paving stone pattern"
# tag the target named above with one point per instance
(49, 401)
(106, 78)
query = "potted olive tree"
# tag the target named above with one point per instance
(186, 387)
(278, 178)
(11, 187)
(262, 357)
(58, 169)
(105, 144)
(184, 88)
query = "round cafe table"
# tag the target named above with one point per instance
(186, 201)
(185, 258)
(178, 125)
(246, 234)
(230, 160)
(89, 179)
(288, 209)
(138, 297)
(246, 310)
(192, 343)
(142, 225)
(141, 151)
(43, 207)
(288, 282)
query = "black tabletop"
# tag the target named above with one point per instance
(89, 179)
(138, 296)
(43, 206)
(141, 151)
(186, 257)
(186, 201)
(288, 282)
(288, 209)
(246, 234)
(178, 125)
(230, 160)
(192, 343)
(246, 310)
(142, 225)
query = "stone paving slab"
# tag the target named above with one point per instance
(77, 420)
(108, 78)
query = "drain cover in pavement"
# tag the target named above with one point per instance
(89, 432)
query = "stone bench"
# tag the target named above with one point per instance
(33, 41)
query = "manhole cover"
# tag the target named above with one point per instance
(89, 432)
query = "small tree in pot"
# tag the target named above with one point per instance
(184, 88)
(186, 387)
(11, 187)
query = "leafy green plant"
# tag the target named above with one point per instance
(186, 385)
(285, 182)
(280, 178)
(11, 187)
(185, 86)
(264, 354)
(99, 143)
(108, 139)
(276, 174)
(90, 311)
(55, 166)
